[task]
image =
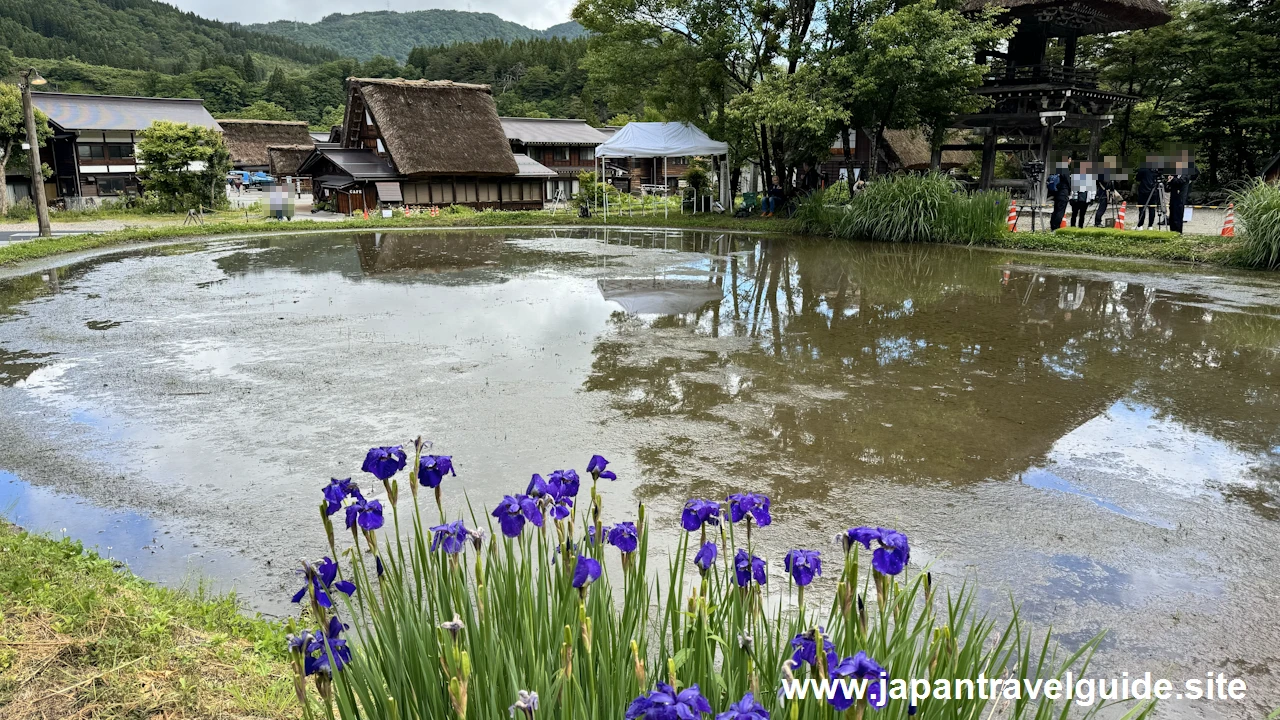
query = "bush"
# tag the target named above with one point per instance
(22, 210)
(910, 208)
(1258, 210)
(453, 621)
(838, 193)
(459, 210)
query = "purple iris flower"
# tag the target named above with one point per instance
(591, 534)
(538, 487)
(747, 566)
(512, 513)
(383, 462)
(698, 513)
(335, 646)
(806, 647)
(893, 554)
(623, 536)
(451, 536)
(367, 513)
(586, 571)
(743, 504)
(706, 557)
(560, 508)
(858, 667)
(326, 571)
(664, 703)
(803, 565)
(745, 709)
(337, 491)
(596, 468)
(378, 564)
(564, 483)
(433, 468)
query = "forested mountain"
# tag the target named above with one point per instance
(530, 78)
(393, 34)
(137, 34)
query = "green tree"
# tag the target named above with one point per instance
(185, 166)
(13, 132)
(260, 110)
(912, 66)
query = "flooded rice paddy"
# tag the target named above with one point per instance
(1100, 440)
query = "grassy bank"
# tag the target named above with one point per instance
(1107, 243)
(81, 639)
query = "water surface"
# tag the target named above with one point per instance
(1102, 440)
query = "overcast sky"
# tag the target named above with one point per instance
(542, 14)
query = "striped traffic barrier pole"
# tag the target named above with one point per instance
(1013, 217)
(1229, 225)
(1120, 216)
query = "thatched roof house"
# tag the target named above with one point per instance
(284, 160)
(441, 140)
(248, 140)
(429, 127)
(911, 150)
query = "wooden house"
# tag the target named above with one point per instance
(568, 147)
(421, 143)
(92, 152)
(249, 141)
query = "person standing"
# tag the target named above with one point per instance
(1147, 199)
(1082, 189)
(1058, 187)
(1177, 184)
(1106, 186)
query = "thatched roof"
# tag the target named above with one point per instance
(911, 147)
(1086, 16)
(248, 140)
(437, 127)
(286, 159)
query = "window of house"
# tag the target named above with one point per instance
(112, 185)
(587, 154)
(120, 151)
(561, 153)
(91, 152)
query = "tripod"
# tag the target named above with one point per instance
(1162, 197)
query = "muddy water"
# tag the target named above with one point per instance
(1101, 440)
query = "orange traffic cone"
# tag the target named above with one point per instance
(406, 211)
(1013, 217)
(1120, 216)
(435, 211)
(1063, 223)
(366, 213)
(1229, 225)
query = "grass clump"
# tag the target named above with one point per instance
(81, 639)
(1258, 208)
(909, 208)
(472, 619)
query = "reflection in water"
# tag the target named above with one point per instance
(927, 364)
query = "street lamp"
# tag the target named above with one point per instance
(31, 77)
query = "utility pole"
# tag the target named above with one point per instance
(31, 77)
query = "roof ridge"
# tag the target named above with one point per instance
(37, 93)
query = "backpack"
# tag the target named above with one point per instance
(1052, 184)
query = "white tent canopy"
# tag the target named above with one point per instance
(659, 139)
(664, 140)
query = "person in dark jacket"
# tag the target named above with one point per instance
(1177, 184)
(1059, 194)
(772, 199)
(1147, 177)
(1106, 186)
